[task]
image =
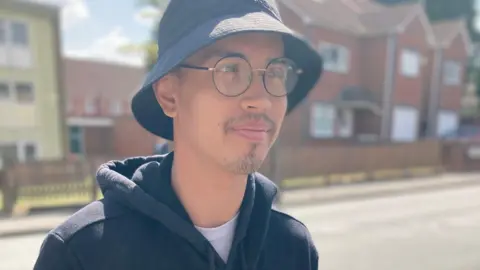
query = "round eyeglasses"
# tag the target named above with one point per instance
(233, 75)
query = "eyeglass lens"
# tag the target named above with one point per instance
(233, 75)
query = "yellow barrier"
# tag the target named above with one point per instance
(305, 182)
(347, 178)
(77, 193)
(387, 174)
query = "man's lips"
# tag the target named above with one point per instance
(252, 132)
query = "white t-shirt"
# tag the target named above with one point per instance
(221, 237)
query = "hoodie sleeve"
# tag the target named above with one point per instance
(56, 255)
(312, 252)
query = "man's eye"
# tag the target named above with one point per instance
(229, 68)
(276, 73)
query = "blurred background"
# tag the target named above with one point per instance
(381, 162)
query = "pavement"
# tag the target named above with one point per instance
(436, 229)
(44, 222)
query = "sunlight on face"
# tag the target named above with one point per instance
(233, 132)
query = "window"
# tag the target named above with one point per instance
(90, 106)
(451, 73)
(116, 108)
(3, 32)
(30, 152)
(14, 44)
(3, 43)
(24, 92)
(344, 123)
(19, 34)
(322, 120)
(8, 153)
(410, 64)
(76, 140)
(4, 91)
(336, 58)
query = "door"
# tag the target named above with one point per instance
(447, 122)
(405, 124)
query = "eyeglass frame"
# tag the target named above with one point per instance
(252, 71)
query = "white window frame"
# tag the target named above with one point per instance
(452, 73)
(32, 87)
(342, 65)
(315, 114)
(410, 63)
(10, 53)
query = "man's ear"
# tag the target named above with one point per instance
(166, 94)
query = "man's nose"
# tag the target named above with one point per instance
(256, 98)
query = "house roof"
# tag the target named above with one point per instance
(360, 17)
(446, 31)
(101, 79)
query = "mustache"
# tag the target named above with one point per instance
(250, 117)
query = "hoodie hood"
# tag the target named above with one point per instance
(143, 185)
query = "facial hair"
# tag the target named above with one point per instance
(247, 164)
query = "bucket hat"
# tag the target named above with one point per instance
(190, 25)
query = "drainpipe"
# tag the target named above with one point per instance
(388, 86)
(435, 93)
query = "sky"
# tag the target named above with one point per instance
(98, 29)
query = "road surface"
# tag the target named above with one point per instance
(438, 230)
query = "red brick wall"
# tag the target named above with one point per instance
(76, 106)
(408, 91)
(130, 139)
(427, 83)
(332, 82)
(295, 130)
(98, 141)
(373, 60)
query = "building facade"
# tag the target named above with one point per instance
(32, 120)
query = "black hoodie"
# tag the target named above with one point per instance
(141, 224)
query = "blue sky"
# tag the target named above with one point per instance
(98, 28)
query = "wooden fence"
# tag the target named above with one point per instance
(298, 167)
(70, 182)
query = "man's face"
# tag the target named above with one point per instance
(234, 132)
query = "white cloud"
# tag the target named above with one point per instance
(108, 48)
(73, 11)
(147, 16)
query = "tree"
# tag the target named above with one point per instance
(153, 10)
(438, 10)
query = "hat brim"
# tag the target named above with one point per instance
(148, 112)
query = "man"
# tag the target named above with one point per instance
(228, 71)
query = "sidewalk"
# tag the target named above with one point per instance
(42, 223)
(378, 189)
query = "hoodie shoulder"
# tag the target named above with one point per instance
(290, 224)
(295, 234)
(93, 213)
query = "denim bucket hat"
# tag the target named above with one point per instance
(190, 25)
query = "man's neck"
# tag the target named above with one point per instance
(211, 196)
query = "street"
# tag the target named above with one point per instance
(437, 230)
